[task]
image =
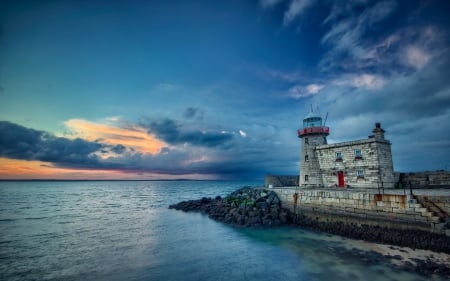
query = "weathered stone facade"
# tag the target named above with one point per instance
(361, 163)
(309, 163)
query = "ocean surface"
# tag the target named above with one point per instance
(123, 230)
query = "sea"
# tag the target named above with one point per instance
(123, 230)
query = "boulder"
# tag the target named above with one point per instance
(244, 207)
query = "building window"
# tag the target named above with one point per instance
(358, 154)
(306, 158)
(338, 156)
(360, 174)
(306, 140)
(306, 178)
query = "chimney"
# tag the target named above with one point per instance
(378, 132)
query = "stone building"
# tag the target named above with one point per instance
(363, 163)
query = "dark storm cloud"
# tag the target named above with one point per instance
(193, 112)
(171, 132)
(419, 95)
(249, 160)
(18, 142)
(119, 149)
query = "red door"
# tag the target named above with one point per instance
(341, 181)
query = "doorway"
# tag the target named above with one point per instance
(341, 181)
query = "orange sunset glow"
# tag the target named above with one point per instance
(28, 170)
(136, 137)
(22, 169)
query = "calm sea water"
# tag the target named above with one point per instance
(124, 231)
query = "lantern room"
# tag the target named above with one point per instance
(312, 124)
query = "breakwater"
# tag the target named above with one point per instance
(383, 218)
(397, 219)
(244, 207)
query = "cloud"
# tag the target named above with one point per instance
(18, 142)
(132, 136)
(242, 133)
(171, 132)
(299, 91)
(193, 112)
(349, 24)
(412, 108)
(366, 81)
(294, 76)
(406, 49)
(415, 57)
(314, 88)
(296, 8)
(118, 149)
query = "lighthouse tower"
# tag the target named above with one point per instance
(312, 134)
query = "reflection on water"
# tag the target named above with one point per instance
(124, 231)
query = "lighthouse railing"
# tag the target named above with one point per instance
(313, 130)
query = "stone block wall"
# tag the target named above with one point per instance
(310, 174)
(360, 207)
(386, 164)
(278, 181)
(375, 163)
(437, 179)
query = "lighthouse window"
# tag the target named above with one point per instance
(358, 154)
(306, 157)
(306, 178)
(360, 173)
(338, 156)
(306, 140)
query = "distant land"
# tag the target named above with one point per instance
(66, 180)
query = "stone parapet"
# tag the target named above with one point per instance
(363, 207)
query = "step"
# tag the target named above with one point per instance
(434, 219)
(427, 214)
(420, 210)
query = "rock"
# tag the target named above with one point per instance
(276, 200)
(262, 205)
(244, 207)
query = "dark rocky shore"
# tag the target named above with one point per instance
(260, 207)
(244, 207)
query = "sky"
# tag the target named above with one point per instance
(216, 89)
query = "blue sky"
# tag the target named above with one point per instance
(216, 89)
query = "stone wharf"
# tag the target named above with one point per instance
(363, 163)
(352, 183)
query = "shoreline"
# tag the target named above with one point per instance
(416, 251)
(423, 262)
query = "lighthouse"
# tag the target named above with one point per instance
(313, 134)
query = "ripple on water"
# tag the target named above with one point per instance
(124, 231)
